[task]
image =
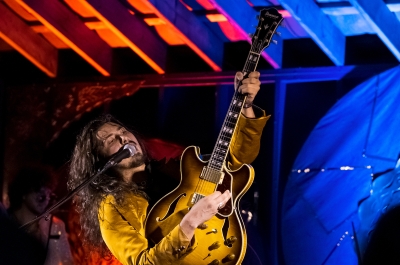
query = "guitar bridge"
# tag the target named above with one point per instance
(195, 198)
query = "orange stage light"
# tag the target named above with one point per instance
(129, 43)
(179, 34)
(216, 17)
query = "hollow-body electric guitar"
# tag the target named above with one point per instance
(222, 239)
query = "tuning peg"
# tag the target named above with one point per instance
(278, 33)
(251, 35)
(283, 24)
(259, 18)
(275, 42)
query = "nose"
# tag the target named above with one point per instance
(122, 139)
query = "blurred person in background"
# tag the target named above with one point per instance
(30, 195)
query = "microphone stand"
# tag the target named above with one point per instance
(69, 195)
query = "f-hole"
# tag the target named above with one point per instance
(171, 208)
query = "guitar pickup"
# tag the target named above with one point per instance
(212, 175)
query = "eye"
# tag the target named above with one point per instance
(110, 140)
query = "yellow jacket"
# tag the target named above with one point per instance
(122, 226)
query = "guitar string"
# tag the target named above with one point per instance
(250, 65)
(232, 119)
(203, 186)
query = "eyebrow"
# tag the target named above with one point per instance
(119, 127)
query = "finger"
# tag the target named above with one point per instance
(213, 196)
(224, 197)
(250, 89)
(227, 195)
(239, 76)
(251, 80)
(254, 74)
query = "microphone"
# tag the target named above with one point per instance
(125, 151)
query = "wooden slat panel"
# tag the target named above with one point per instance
(71, 30)
(17, 8)
(191, 30)
(243, 16)
(384, 22)
(318, 25)
(26, 41)
(132, 30)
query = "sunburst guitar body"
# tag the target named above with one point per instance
(222, 239)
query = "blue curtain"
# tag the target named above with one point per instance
(332, 174)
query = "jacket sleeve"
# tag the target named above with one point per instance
(122, 229)
(246, 140)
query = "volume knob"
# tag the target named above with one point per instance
(214, 262)
(229, 257)
(214, 245)
(231, 240)
(202, 226)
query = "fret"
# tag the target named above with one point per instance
(219, 164)
(219, 158)
(233, 114)
(225, 138)
(221, 154)
(227, 129)
(231, 124)
(221, 147)
(221, 142)
(220, 150)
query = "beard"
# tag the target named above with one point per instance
(135, 161)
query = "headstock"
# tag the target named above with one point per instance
(268, 21)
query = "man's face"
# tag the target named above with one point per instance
(113, 137)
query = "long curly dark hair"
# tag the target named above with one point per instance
(85, 162)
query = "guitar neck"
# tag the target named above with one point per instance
(269, 19)
(221, 148)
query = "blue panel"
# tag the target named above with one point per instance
(382, 20)
(321, 199)
(263, 3)
(352, 24)
(319, 26)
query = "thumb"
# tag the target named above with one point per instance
(238, 78)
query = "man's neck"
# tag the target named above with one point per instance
(128, 174)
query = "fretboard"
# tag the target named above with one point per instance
(221, 148)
